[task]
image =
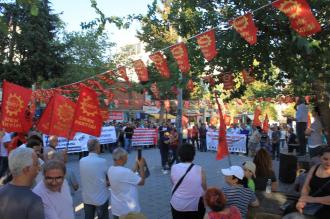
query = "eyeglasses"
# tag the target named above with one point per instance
(52, 179)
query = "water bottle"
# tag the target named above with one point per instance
(269, 186)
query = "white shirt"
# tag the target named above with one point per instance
(57, 205)
(187, 196)
(93, 171)
(3, 151)
(124, 193)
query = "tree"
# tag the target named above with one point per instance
(89, 54)
(303, 62)
(30, 51)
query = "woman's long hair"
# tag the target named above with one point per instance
(263, 163)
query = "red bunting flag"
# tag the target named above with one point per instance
(248, 79)
(122, 73)
(228, 81)
(15, 117)
(222, 140)
(206, 42)
(265, 125)
(57, 117)
(105, 114)
(106, 79)
(257, 113)
(167, 105)
(154, 90)
(300, 15)
(87, 117)
(190, 85)
(186, 104)
(180, 54)
(244, 25)
(161, 64)
(141, 70)
(158, 103)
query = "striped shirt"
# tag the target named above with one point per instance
(240, 197)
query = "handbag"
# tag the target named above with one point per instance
(310, 209)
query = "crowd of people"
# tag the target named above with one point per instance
(27, 192)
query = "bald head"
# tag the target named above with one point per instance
(53, 141)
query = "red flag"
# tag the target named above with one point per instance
(222, 142)
(244, 25)
(265, 125)
(190, 85)
(300, 15)
(141, 70)
(257, 113)
(57, 117)
(167, 105)
(206, 42)
(161, 64)
(180, 54)
(123, 74)
(15, 99)
(248, 79)
(228, 81)
(87, 117)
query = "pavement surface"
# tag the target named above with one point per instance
(154, 196)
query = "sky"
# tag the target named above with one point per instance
(76, 11)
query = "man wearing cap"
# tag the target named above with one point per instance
(235, 192)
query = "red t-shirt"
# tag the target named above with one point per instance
(233, 214)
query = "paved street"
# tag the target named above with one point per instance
(155, 194)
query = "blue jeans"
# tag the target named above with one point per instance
(128, 144)
(101, 211)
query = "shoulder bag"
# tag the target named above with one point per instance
(181, 179)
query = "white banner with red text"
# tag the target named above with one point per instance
(236, 142)
(79, 142)
(144, 136)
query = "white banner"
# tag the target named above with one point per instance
(151, 109)
(79, 142)
(143, 136)
(236, 142)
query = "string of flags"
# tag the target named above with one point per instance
(18, 107)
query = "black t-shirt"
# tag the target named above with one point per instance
(20, 202)
(129, 132)
(261, 181)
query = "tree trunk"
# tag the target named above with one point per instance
(323, 104)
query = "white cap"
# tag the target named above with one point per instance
(236, 171)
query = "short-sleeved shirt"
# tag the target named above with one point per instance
(20, 202)
(240, 197)
(261, 181)
(124, 193)
(57, 205)
(93, 172)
